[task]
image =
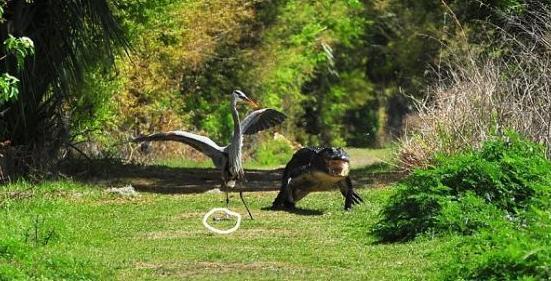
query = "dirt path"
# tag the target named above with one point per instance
(162, 179)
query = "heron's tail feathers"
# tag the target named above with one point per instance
(231, 184)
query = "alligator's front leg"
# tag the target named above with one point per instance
(350, 196)
(284, 199)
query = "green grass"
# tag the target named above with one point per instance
(188, 163)
(160, 237)
(184, 163)
(67, 230)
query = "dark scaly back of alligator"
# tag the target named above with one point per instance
(300, 159)
(334, 153)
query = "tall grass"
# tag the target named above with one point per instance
(481, 93)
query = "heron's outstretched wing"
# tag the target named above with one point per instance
(261, 119)
(201, 143)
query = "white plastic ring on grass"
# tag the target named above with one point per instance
(220, 231)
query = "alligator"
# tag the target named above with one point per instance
(314, 169)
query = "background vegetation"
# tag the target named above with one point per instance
(345, 72)
(495, 199)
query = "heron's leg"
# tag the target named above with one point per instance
(245, 203)
(227, 199)
(227, 216)
(241, 177)
(226, 191)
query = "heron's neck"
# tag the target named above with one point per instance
(236, 122)
(236, 143)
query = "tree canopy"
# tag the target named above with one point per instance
(343, 71)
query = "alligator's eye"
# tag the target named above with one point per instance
(341, 158)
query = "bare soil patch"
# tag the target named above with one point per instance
(162, 179)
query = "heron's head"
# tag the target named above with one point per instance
(239, 96)
(336, 161)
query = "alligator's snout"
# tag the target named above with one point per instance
(339, 168)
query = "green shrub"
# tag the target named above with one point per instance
(506, 253)
(273, 152)
(469, 213)
(465, 192)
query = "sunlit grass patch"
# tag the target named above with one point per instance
(275, 154)
(161, 237)
(185, 163)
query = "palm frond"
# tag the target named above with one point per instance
(70, 36)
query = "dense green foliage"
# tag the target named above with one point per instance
(466, 192)
(67, 38)
(272, 153)
(341, 70)
(496, 199)
(338, 69)
(303, 70)
(508, 252)
(189, 55)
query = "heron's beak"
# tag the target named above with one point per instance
(252, 103)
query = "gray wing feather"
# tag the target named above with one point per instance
(201, 143)
(260, 120)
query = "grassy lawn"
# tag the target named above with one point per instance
(64, 229)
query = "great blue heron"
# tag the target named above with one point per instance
(227, 158)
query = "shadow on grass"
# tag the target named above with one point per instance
(380, 173)
(173, 180)
(296, 211)
(163, 179)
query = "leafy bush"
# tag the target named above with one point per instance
(506, 253)
(273, 152)
(66, 44)
(468, 191)
(469, 213)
